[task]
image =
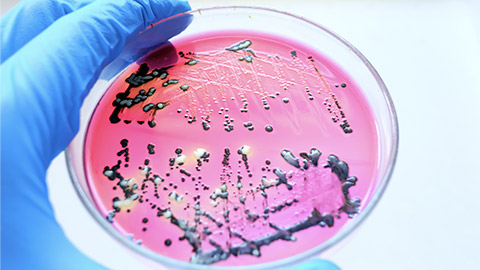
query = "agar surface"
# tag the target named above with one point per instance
(221, 70)
(199, 231)
(233, 201)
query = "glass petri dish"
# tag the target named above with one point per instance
(350, 100)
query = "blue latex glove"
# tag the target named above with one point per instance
(51, 54)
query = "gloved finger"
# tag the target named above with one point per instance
(317, 264)
(145, 42)
(28, 19)
(52, 74)
(43, 85)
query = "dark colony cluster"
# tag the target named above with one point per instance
(123, 101)
(192, 231)
(158, 183)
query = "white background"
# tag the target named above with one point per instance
(428, 53)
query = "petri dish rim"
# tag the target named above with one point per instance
(169, 262)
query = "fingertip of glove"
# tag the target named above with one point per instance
(167, 8)
(186, 5)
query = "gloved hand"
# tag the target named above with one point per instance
(52, 51)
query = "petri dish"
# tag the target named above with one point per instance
(254, 138)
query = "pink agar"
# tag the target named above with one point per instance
(231, 148)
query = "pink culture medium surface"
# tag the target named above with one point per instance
(231, 148)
